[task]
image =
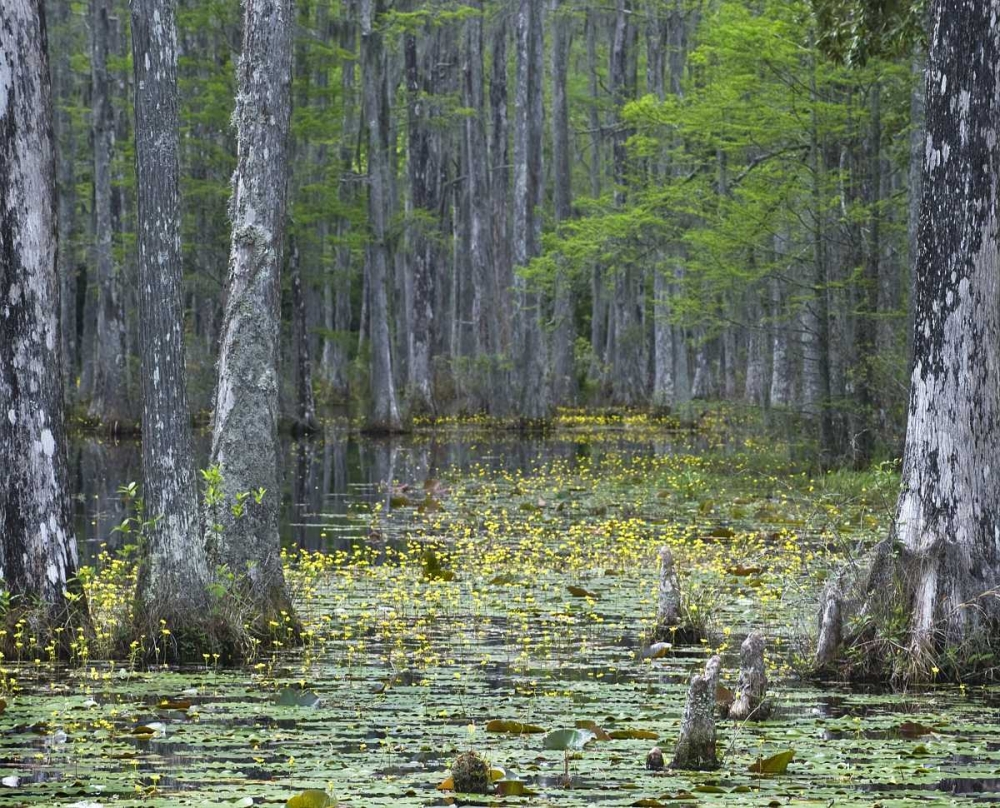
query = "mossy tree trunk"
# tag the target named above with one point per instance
(243, 530)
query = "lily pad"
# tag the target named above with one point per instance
(633, 734)
(513, 727)
(776, 764)
(293, 697)
(567, 740)
(311, 798)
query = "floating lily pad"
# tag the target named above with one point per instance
(513, 727)
(293, 697)
(312, 798)
(776, 764)
(633, 734)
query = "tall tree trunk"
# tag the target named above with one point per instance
(780, 394)
(598, 292)
(485, 303)
(629, 365)
(38, 553)
(174, 572)
(245, 421)
(499, 180)
(864, 422)
(657, 33)
(109, 396)
(755, 382)
(338, 317)
(918, 145)
(664, 392)
(563, 331)
(384, 413)
(423, 171)
(305, 409)
(816, 354)
(941, 563)
(63, 90)
(533, 400)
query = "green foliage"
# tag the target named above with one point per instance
(857, 31)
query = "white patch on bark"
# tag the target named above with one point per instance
(48, 443)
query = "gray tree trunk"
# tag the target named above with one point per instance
(423, 169)
(918, 145)
(59, 15)
(944, 525)
(533, 400)
(109, 395)
(384, 413)
(305, 409)
(38, 553)
(563, 330)
(174, 571)
(503, 277)
(817, 308)
(664, 392)
(628, 372)
(867, 326)
(245, 420)
(337, 316)
(485, 309)
(755, 385)
(780, 394)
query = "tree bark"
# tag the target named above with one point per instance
(944, 518)
(485, 301)
(533, 400)
(628, 378)
(423, 169)
(499, 179)
(63, 91)
(337, 314)
(109, 395)
(305, 409)
(941, 562)
(38, 552)
(245, 421)
(696, 745)
(563, 329)
(751, 691)
(384, 413)
(174, 572)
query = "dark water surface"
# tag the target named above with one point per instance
(330, 478)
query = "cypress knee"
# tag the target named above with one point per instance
(696, 744)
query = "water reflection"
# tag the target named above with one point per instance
(332, 481)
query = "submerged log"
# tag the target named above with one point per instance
(751, 691)
(696, 744)
(668, 598)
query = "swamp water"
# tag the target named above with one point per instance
(498, 579)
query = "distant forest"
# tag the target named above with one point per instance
(509, 207)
